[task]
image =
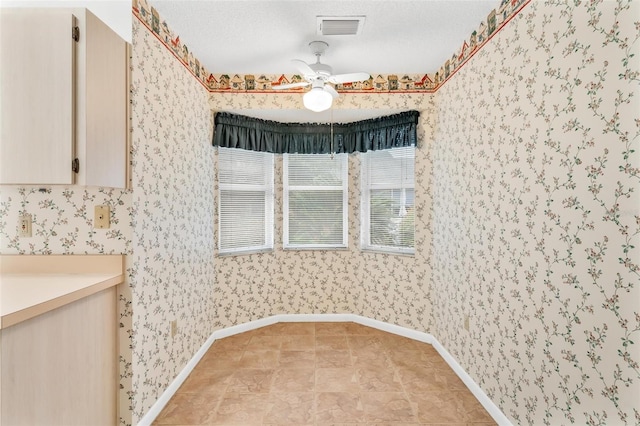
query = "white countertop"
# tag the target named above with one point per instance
(24, 295)
(27, 295)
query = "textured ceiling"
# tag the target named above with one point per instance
(261, 37)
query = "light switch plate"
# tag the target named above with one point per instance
(102, 217)
(24, 226)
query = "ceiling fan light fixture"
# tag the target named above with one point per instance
(317, 99)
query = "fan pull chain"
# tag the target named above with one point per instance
(332, 153)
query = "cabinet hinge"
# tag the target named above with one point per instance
(75, 165)
(75, 33)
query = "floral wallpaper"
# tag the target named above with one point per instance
(385, 287)
(62, 220)
(171, 271)
(536, 215)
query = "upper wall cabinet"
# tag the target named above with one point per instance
(64, 115)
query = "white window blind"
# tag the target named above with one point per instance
(388, 210)
(245, 209)
(315, 201)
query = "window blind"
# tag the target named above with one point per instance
(245, 209)
(388, 200)
(315, 201)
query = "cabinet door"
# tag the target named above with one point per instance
(60, 367)
(105, 65)
(36, 106)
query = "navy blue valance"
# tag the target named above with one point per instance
(238, 131)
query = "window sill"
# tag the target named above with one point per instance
(315, 248)
(391, 252)
(244, 252)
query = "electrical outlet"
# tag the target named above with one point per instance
(466, 322)
(102, 217)
(174, 328)
(24, 226)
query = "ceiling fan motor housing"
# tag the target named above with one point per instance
(318, 47)
(322, 69)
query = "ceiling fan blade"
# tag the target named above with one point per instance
(303, 67)
(348, 78)
(290, 85)
(329, 89)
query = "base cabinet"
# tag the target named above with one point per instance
(60, 368)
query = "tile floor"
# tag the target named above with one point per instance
(322, 374)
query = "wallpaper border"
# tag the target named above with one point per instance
(382, 83)
(493, 410)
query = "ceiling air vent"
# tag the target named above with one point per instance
(340, 25)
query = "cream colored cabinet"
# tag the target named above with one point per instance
(60, 368)
(63, 79)
(58, 339)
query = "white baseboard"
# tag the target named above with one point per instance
(156, 408)
(476, 390)
(486, 402)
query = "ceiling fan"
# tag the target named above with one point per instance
(318, 76)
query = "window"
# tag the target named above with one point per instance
(388, 200)
(315, 201)
(245, 208)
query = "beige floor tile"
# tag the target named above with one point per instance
(365, 342)
(298, 343)
(337, 380)
(220, 360)
(444, 424)
(331, 343)
(398, 343)
(188, 408)
(241, 409)
(267, 330)
(363, 357)
(426, 379)
(453, 381)
(338, 424)
(416, 358)
(296, 328)
(232, 343)
(448, 407)
(259, 359)
(207, 381)
(353, 328)
(251, 381)
(332, 407)
(289, 380)
(264, 343)
(286, 328)
(372, 379)
(291, 409)
(331, 328)
(297, 359)
(387, 406)
(333, 358)
(430, 351)
(396, 424)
